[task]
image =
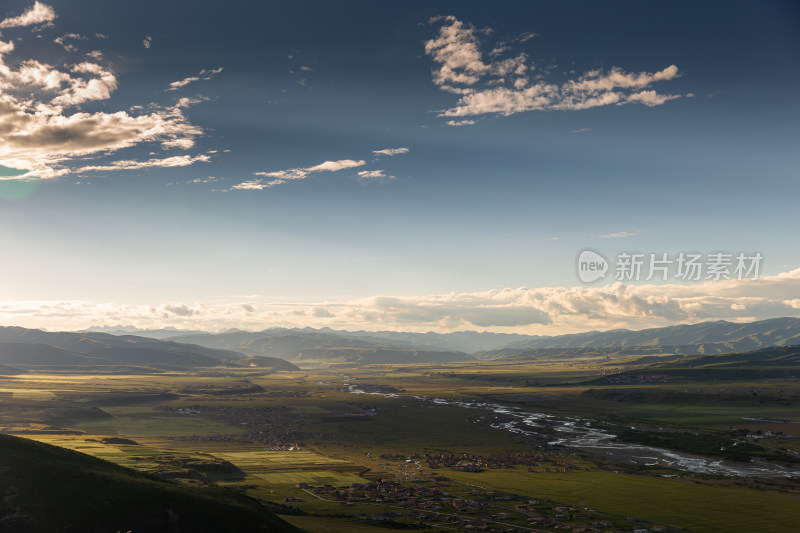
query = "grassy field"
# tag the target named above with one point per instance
(696, 505)
(147, 421)
(343, 435)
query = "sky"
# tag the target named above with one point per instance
(396, 165)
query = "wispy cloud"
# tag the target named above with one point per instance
(282, 176)
(209, 179)
(373, 174)
(166, 162)
(465, 122)
(38, 13)
(69, 47)
(147, 42)
(202, 75)
(279, 177)
(391, 151)
(620, 235)
(581, 130)
(505, 85)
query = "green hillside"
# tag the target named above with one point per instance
(778, 362)
(46, 489)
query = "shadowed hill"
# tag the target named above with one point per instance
(36, 349)
(704, 338)
(769, 363)
(375, 356)
(42, 354)
(6, 370)
(315, 346)
(46, 489)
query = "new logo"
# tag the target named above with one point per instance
(591, 266)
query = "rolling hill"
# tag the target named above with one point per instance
(768, 363)
(320, 348)
(44, 489)
(703, 338)
(397, 347)
(40, 350)
(375, 356)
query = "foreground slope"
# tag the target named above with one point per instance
(47, 489)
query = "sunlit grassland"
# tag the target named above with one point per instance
(340, 449)
(691, 504)
(146, 421)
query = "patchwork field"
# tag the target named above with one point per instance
(305, 431)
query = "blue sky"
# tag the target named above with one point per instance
(414, 165)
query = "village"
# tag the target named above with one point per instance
(478, 463)
(434, 505)
(412, 490)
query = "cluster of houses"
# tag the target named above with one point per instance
(477, 463)
(476, 509)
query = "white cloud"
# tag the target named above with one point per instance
(334, 166)
(42, 133)
(457, 50)
(279, 177)
(62, 41)
(651, 98)
(502, 85)
(179, 309)
(209, 179)
(202, 75)
(542, 310)
(38, 13)
(464, 122)
(373, 174)
(257, 184)
(580, 130)
(620, 235)
(166, 162)
(99, 85)
(147, 41)
(186, 101)
(391, 151)
(794, 303)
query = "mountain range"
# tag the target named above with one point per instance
(33, 349)
(314, 346)
(304, 345)
(703, 338)
(279, 348)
